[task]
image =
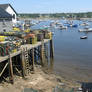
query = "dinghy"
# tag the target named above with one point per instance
(83, 37)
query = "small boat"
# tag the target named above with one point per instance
(58, 23)
(83, 37)
(67, 22)
(84, 24)
(72, 25)
(81, 30)
(63, 27)
(75, 25)
(90, 29)
(85, 30)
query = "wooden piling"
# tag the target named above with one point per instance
(33, 59)
(42, 53)
(46, 53)
(22, 64)
(35, 55)
(39, 53)
(51, 54)
(11, 70)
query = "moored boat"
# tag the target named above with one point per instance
(83, 37)
(85, 30)
(84, 24)
(63, 27)
(72, 25)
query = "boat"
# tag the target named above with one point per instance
(67, 22)
(84, 24)
(72, 25)
(90, 29)
(83, 37)
(75, 25)
(58, 23)
(85, 30)
(63, 27)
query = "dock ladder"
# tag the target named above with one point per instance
(27, 66)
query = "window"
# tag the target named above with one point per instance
(13, 16)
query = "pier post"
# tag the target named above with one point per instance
(23, 63)
(46, 53)
(39, 53)
(42, 53)
(35, 56)
(51, 54)
(11, 70)
(33, 59)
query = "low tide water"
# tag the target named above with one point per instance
(73, 56)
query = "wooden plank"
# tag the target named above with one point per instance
(30, 46)
(7, 57)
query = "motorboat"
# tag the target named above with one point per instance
(85, 30)
(72, 25)
(75, 25)
(63, 27)
(84, 24)
(83, 37)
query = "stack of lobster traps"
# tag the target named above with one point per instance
(11, 42)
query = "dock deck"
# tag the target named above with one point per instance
(28, 46)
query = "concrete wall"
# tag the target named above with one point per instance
(5, 25)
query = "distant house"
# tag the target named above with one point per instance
(7, 17)
(8, 8)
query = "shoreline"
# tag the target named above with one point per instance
(39, 80)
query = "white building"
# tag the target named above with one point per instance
(8, 8)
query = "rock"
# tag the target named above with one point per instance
(61, 84)
(58, 80)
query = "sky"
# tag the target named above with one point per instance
(50, 6)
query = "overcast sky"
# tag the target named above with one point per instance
(50, 6)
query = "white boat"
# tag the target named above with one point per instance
(90, 29)
(63, 27)
(83, 37)
(58, 23)
(85, 30)
(84, 24)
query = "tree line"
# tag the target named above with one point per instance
(57, 15)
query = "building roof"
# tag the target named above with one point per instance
(4, 6)
(4, 14)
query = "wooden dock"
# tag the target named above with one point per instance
(28, 46)
(29, 54)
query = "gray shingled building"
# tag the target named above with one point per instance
(7, 16)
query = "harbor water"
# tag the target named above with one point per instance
(73, 56)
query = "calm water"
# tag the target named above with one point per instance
(73, 56)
